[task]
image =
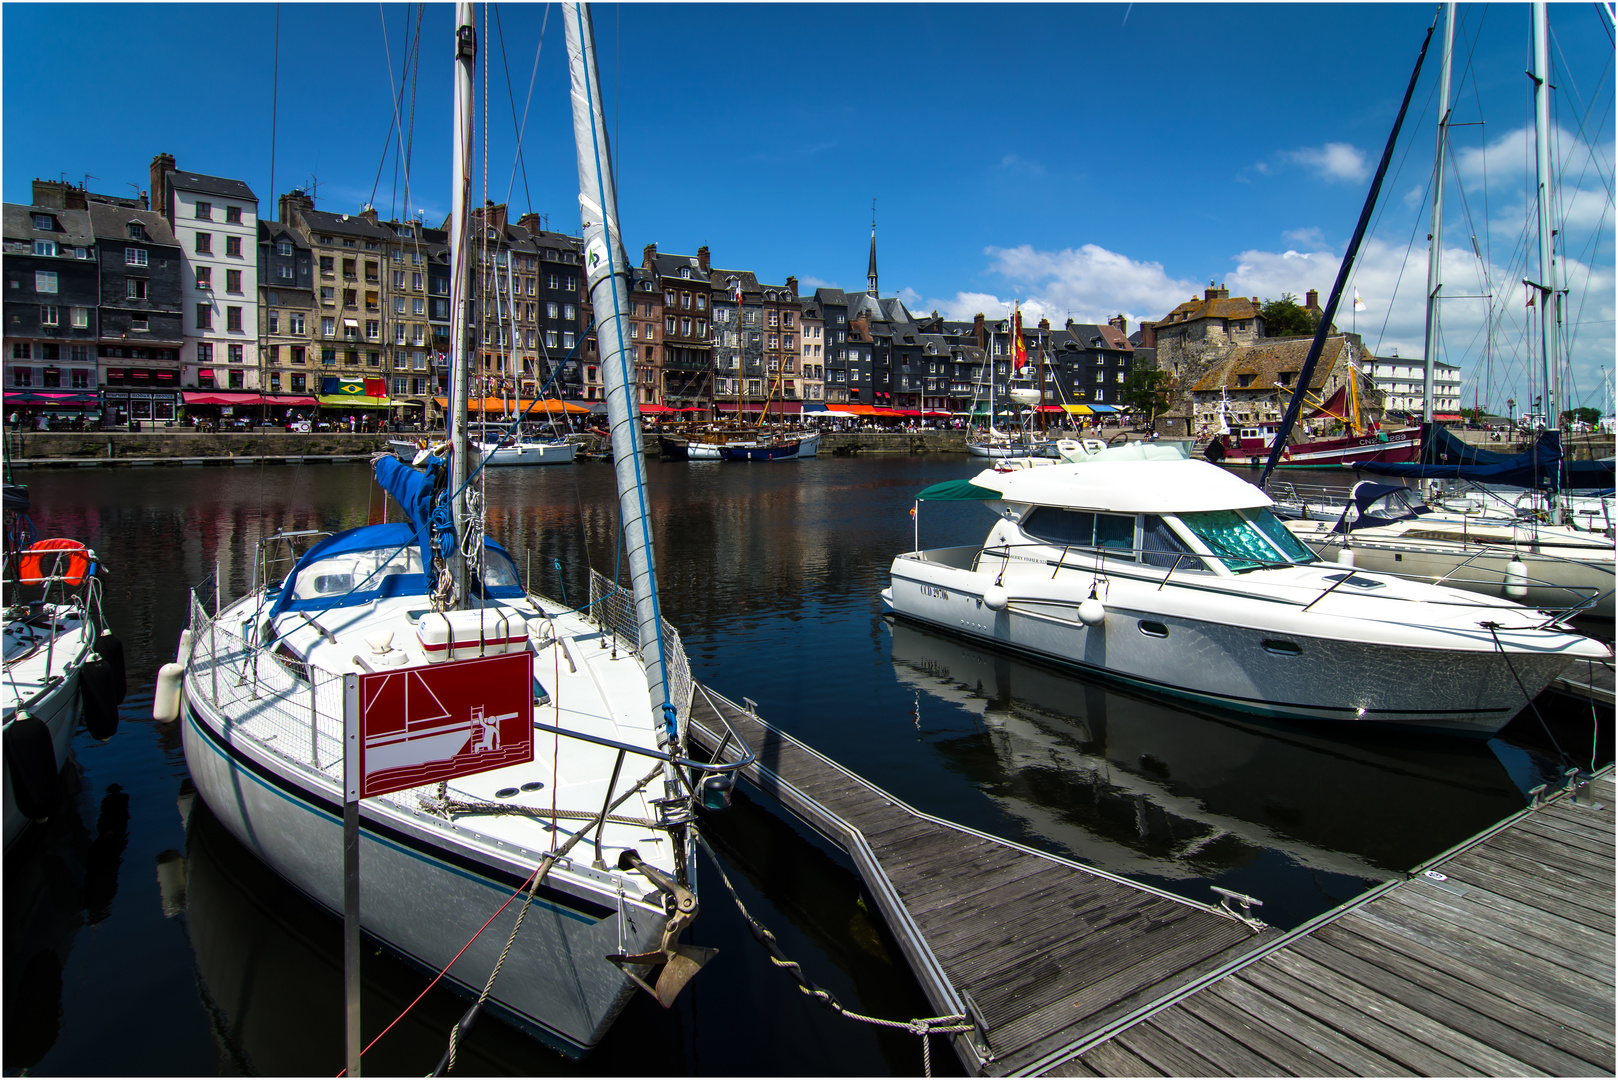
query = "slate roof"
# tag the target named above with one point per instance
(725, 289)
(1096, 336)
(272, 231)
(319, 221)
(1231, 307)
(668, 265)
(111, 222)
(75, 225)
(211, 185)
(1266, 361)
(831, 297)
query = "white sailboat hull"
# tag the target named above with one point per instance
(57, 704)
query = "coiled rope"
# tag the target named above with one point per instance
(926, 1027)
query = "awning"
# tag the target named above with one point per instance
(1102, 409)
(1078, 410)
(205, 373)
(222, 397)
(22, 396)
(1448, 418)
(814, 407)
(351, 322)
(957, 491)
(782, 407)
(540, 408)
(653, 407)
(357, 401)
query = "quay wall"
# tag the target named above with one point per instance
(273, 442)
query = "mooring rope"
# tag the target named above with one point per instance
(1563, 754)
(925, 1027)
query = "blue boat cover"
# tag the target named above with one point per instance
(1445, 457)
(394, 537)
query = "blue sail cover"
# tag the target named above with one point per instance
(413, 491)
(1444, 457)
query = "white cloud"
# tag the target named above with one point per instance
(1305, 237)
(1018, 163)
(1334, 161)
(811, 283)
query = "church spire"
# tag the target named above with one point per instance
(870, 273)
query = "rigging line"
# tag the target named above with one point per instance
(410, 140)
(519, 161)
(393, 122)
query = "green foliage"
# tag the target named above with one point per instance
(1583, 412)
(1147, 390)
(1287, 318)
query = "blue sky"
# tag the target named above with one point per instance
(1083, 159)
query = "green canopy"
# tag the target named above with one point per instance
(958, 491)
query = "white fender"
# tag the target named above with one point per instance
(1092, 611)
(1517, 579)
(996, 598)
(1345, 557)
(166, 696)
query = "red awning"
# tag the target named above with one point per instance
(289, 400)
(787, 407)
(205, 373)
(1448, 418)
(654, 407)
(222, 397)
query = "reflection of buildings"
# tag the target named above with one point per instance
(1141, 788)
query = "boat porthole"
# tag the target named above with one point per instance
(1281, 648)
(505, 793)
(532, 785)
(1153, 629)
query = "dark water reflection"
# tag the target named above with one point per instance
(136, 944)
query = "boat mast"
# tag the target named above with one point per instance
(1542, 180)
(466, 49)
(606, 270)
(1435, 243)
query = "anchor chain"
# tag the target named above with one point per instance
(926, 1027)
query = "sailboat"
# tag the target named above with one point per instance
(994, 443)
(605, 804)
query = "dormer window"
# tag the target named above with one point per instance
(44, 223)
(137, 231)
(685, 271)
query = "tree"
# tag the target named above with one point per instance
(1287, 318)
(1583, 412)
(1147, 389)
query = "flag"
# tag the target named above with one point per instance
(1359, 305)
(1530, 297)
(331, 385)
(1019, 351)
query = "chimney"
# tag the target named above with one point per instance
(649, 256)
(1148, 334)
(1044, 323)
(143, 202)
(980, 335)
(294, 201)
(1213, 292)
(1312, 300)
(702, 258)
(369, 213)
(162, 165)
(1121, 323)
(531, 222)
(792, 285)
(51, 193)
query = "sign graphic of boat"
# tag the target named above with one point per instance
(422, 725)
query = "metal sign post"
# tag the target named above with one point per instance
(351, 869)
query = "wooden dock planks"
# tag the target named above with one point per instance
(1046, 950)
(1500, 965)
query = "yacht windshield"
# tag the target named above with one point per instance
(1246, 540)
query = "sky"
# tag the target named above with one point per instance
(1081, 160)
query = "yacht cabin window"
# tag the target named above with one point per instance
(1246, 539)
(1082, 529)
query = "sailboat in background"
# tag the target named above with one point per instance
(990, 441)
(597, 825)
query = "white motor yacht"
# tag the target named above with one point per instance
(1172, 575)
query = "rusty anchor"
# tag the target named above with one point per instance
(679, 962)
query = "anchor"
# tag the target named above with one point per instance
(680, 962)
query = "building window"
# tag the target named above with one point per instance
(139, 322)
(237, 353)
(48, 315)
(204, 277)
(22, 350)
(415, 282)
(204, 243)
(44, 247)
(551, 310)
(233, 246)
(233, 214)
(296, 382)
(326, 295)
(284, 273)
(80, 378)
(233, 319)
(233, 281)
(204, 352)
(45, 281)
(295, 322)
(326, 265)
(135, 257)
(283, 247)
(373, 329)
(80, 317)
(204, 211)
(44, 222)
(21, 376)
(328, 327)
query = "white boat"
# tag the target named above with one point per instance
(1388, 528)
(1173, 576)
(59, 666)
(606, 801)
(523, 450)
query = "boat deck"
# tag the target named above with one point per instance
(1040, 952)
(1494, 959)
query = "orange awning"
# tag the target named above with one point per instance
(540, 408)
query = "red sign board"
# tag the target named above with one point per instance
(420, 725)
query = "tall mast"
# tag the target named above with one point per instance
(1542, 183)
(1435, 242)
(606, 270)
(466, 49)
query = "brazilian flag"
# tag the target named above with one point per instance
(332, 386)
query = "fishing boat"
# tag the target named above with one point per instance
(61, 663)
(1171, 575)
(596, 825)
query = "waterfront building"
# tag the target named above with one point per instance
(215, 220)
(1254, 383)
(645, 334)
(738, 338)
(51, 307)
(415, 319)
(812, 349)
(1402, 381)
(1086, 363)
(833, 307)
(287, 312)
(141, 329)
(689, 293)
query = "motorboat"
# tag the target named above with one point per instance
(61, 663)
(1172, 575)
(589, 836)
(521, 449)
(1388, 528)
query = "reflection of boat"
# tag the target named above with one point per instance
(264, 690)
(1389, 529)
(1141, 788)
(59, 662)
(1173, 575)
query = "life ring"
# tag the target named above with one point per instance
(62, 560)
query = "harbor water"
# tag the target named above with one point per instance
(141, 939)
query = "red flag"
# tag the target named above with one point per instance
(376, 388)
(1019, 351)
